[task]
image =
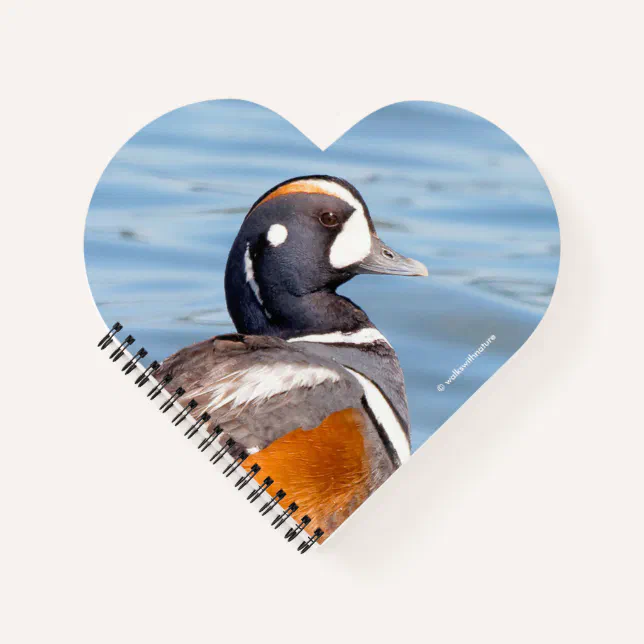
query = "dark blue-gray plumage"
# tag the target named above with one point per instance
(304, 353)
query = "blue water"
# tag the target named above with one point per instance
(443, 186)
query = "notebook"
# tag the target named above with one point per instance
(309, 318)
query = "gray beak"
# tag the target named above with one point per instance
(385, 261)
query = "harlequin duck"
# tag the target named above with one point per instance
(308, 386)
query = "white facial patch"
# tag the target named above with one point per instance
(353, 242)
(277, 234)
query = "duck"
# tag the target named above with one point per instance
(307, 390)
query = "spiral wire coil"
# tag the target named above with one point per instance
(212, 435)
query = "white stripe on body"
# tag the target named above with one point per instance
(385, 416)
(363, 336)
(258, 384)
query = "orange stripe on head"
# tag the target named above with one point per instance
(302, 186)
(307, 186)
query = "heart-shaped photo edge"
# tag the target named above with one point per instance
(328, 149)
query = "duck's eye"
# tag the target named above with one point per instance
(329, 219)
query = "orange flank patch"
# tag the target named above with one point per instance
(324, 470)
(306, 186)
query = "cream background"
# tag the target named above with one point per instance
(520, 521)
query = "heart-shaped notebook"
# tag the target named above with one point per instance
(310, 318)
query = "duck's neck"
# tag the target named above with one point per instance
(259, 310)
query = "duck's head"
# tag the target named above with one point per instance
(300, 241)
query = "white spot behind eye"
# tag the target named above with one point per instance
(277, 234)
(353, 243)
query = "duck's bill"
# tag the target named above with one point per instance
(386, 261)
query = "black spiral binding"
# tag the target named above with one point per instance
(215, 432)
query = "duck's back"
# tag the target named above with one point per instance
(309, 413)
